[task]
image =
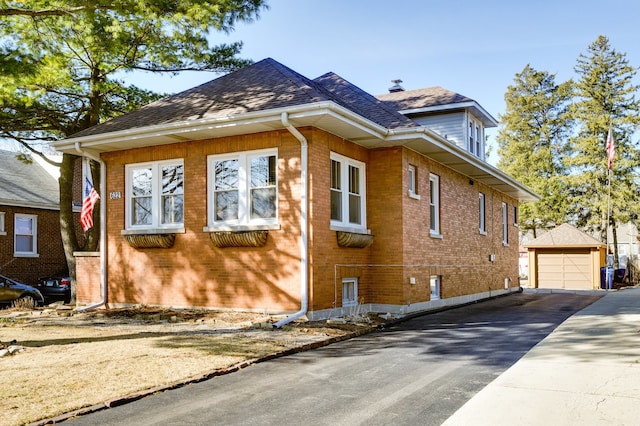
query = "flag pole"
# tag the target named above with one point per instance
(610, 149)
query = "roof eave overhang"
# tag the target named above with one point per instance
(565, 246)
(432, 145)
(29, 204)
(325, 115)
(487, 119)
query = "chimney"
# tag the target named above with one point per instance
(396, 86)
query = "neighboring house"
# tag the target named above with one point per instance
(264, 190)
(30, 242)
(565, 258)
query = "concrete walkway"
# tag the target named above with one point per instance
(587, 372)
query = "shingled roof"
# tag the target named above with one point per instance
(435, 100)
(262, 86)
(564, 235)
(422, 98)
(26, 185)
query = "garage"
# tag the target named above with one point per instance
(565, 258)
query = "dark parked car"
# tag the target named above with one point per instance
(55, 289)
(13, 292)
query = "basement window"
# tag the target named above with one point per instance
(349, 292)
(435, 286)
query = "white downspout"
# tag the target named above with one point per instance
(304, 225)
(103, 228)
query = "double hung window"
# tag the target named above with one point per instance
(347, 193)
(505, 224)
(412, 184)
(243, 188)
(482, 208)
(2, 228)
(476, 137)
(155, 195)
(25, 235)
(434, 205)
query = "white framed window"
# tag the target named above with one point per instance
(434, 205)
(3, 230)
(472, 140)
(505, 224)
(515, 215)
(348, 190)
(243, 189)
(349, 292)
(25, 233)
(476, 138)
(434, 281)
(412, 183)
(155, 195)
(482, 213)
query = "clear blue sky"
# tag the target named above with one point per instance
(472, 47)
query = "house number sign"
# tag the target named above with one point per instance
(115, 195)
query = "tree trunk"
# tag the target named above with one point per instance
(67, 223)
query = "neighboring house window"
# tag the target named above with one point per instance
(505, 224)
(25, 235)
(515, 215)
(2, 228)
(243, 188)
(435, 287)
(347, 192)
(155, 195)
(349, 292)
(434, 204)
(482, 209)
(413, 182)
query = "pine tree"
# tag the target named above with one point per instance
(533, 143)
(605, 100)
(62, 68)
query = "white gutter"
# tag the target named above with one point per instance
(103, 227)
(304, 226)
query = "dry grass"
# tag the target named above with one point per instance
(71, 362)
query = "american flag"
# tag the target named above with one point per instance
(90, 197)
(611, 149)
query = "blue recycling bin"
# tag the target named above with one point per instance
(606, 277)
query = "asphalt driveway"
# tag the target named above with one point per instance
(418, 371)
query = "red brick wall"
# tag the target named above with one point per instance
(329, 262)
(88, 275)
(461, 256)
(50, 260)
(196, 273)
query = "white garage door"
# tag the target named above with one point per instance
(567, 269)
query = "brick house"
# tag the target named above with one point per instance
(264, 190)
(30, 243)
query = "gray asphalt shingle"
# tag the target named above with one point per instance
(422, 98)
(26, 184)
(262, 86)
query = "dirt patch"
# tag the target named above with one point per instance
(66, 361)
